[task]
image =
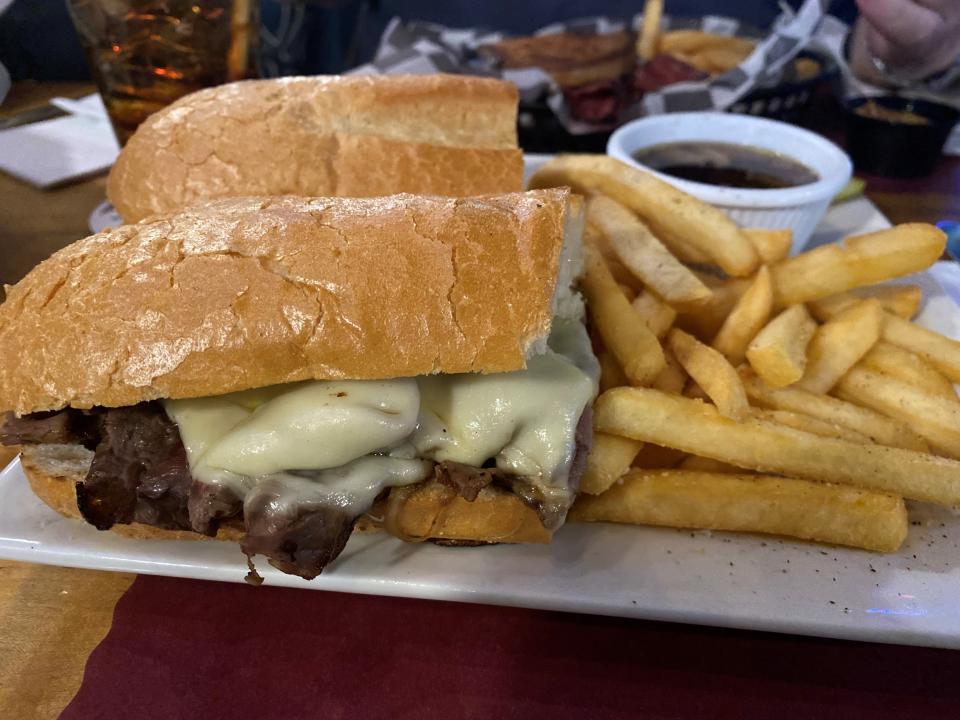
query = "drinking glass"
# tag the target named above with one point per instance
(144, 54)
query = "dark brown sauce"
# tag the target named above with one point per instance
(726, 164)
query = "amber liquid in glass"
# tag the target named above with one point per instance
(147, 53)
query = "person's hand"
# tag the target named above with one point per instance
(913, 38)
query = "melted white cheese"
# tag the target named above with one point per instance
(569, 338)
(318, 425)
(357, 437)
(203, 422)
(352, 487)
(526, 420)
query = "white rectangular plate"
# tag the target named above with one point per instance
(721, 579)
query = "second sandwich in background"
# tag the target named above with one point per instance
(351, 136)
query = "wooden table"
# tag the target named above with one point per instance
(36, 223)
(51, 618)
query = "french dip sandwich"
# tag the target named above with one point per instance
(279, 371)
(350, 136)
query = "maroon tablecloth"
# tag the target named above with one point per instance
(189, 649)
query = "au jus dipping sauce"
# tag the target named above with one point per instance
(726, 165)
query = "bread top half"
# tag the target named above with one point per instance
(356, 136)
(249, 292)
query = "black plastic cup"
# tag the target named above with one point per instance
(892, 149)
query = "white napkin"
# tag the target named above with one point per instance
(947, 274)
(50, 152)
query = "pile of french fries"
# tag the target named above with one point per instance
(710, 53)
(746, 390)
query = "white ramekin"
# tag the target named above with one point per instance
(798, 208)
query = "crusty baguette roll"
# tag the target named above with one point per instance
(353, 136)
(421, 512)
(249, 292)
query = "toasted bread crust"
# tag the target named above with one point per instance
(250, 292)
(432, 510)
(359, 136)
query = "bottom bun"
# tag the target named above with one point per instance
(434, 511)
(428, 511)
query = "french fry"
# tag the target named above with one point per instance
(648, 39)
(714, 281)
(940, 351)
(752, 503)
(624, 277)
(611, 374)
(829, 307)
(676, 42)
(933, 417)
(633, 345)
(839, 344)
(909, 368)
(673, 377)
(705, 322)
(628, 292)
(712, 372)
(809, 424)
(698, 428)
(718, 60)
(643, 255)
(771, 245)
(860, 261)
(778, 353)
(610, 458)
(901, 300)
(703, 464)
(654, 312)
(805, 69)
(695, 222)
(684, 57)
(681, 249)
(879, 428)
(695, 391)
(748, 316)
(654, 456)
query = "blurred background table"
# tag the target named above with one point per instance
(52, 618)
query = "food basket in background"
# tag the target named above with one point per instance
(581, 79)
(787, 99)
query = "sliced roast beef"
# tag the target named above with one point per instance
(467, 480)
(139, 471)
(552, 511)
(59, 426)
(209, 504)
(300, 538)
(596, 102)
